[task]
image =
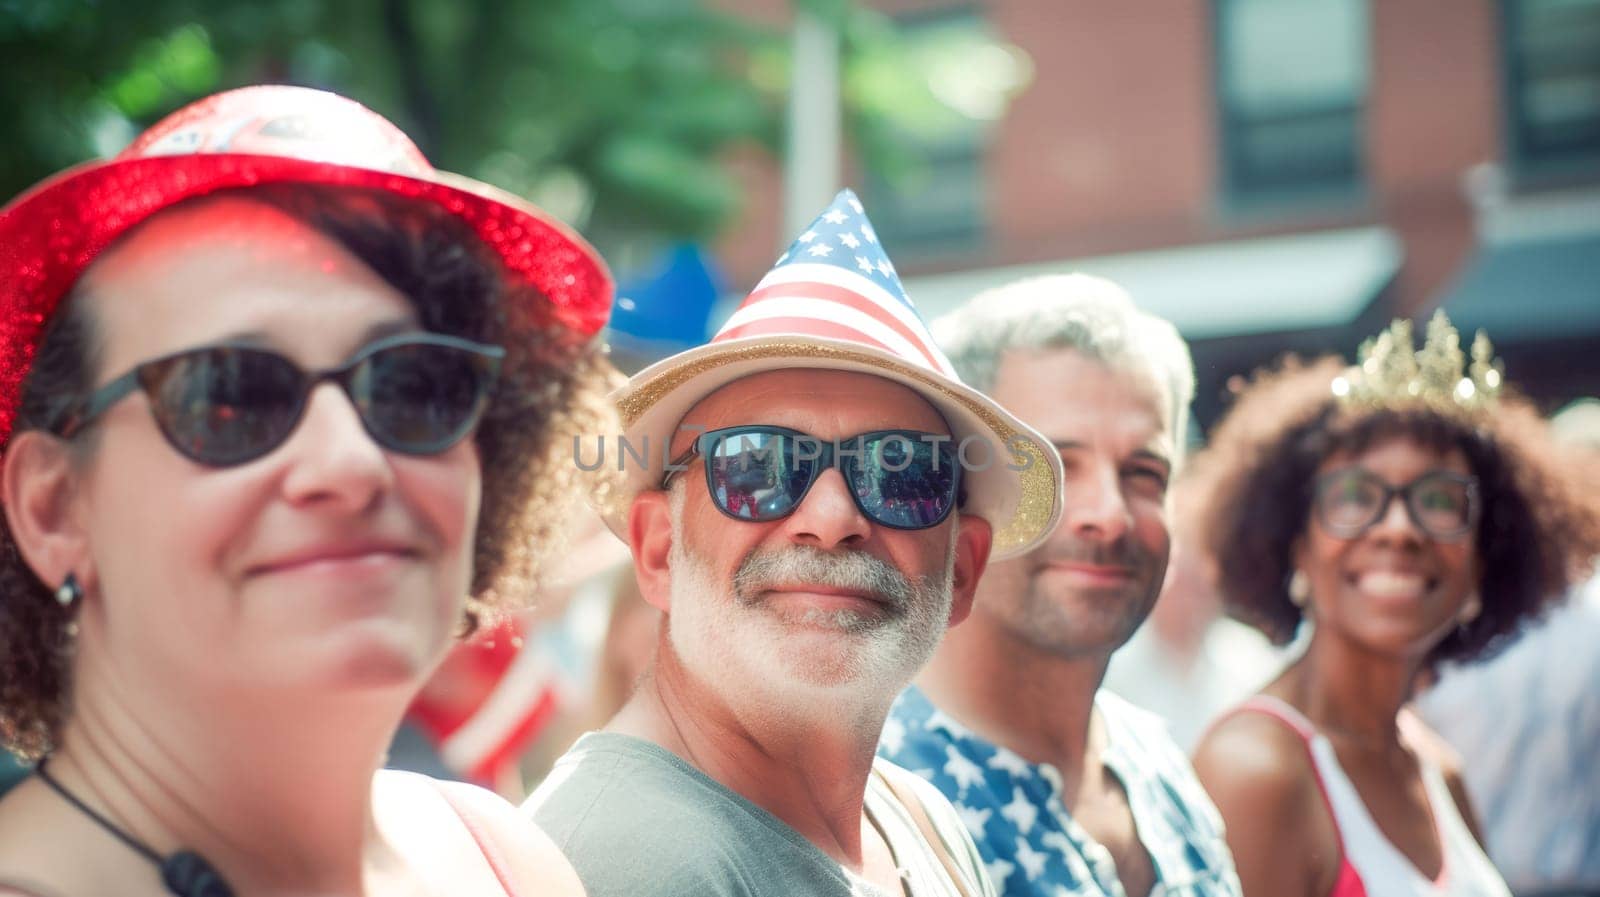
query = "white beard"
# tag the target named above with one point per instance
(763, 661)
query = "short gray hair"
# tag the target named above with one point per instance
(1090, 315)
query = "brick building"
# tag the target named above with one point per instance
(1268, 174)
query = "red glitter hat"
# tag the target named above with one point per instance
(260, 135)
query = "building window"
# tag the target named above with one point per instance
(1553, 86)
(1291, 87)
(937, 101)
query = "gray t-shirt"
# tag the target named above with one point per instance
(638, 821)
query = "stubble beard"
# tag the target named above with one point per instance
(1075, 623)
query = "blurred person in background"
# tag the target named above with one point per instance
(1188, 663)
(284, 411)
(1414, 514)
(1067, 788)
(482, 708)
(1530, 762)
(816, 532)
(12, 771)
(625, 649)
(508, 700)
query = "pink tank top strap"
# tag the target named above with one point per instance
(1347, 883)
(1280, 710)
(486, 844)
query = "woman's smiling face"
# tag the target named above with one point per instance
(329, 562)
(1393, 588)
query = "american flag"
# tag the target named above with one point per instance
(836, 282)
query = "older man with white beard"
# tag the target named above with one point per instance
(831, 495)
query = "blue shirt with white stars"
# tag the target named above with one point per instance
(1013, 808)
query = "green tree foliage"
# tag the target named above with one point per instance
(612, 114)
(609, 112)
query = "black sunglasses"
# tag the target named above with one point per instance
(416, 393)
(1442, 504)
(902, 479)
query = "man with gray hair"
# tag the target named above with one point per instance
(816, 531)
(1066, 788)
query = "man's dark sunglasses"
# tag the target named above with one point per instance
(221, 405)
(1442, 504)
(902, 479)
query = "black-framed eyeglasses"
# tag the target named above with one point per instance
(221, 405)
(902, 479)
(1441, 503)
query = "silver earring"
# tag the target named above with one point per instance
(1299, 588)
(1470, 610)
(69, 592)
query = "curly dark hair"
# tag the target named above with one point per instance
(551, 384)
(1537, 532)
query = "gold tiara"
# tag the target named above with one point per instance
(1388, 372)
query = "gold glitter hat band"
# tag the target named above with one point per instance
(1389, 370)
(1023, 506)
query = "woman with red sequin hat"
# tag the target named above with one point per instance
(282, 413)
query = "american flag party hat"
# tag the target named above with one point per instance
(834, 301)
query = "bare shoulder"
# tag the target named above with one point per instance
(20, 887)
(1262, 779)
(47, 849)
(29, 858)
(532, 856)
(1254, 754)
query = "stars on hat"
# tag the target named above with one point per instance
(833, 278)
(842, 237)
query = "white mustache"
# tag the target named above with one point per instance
(851, 570)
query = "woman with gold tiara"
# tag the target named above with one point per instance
(1411, 510)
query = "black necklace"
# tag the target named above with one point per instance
(185, 873)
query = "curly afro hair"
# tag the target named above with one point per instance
(552, 384)
(1537, 533)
